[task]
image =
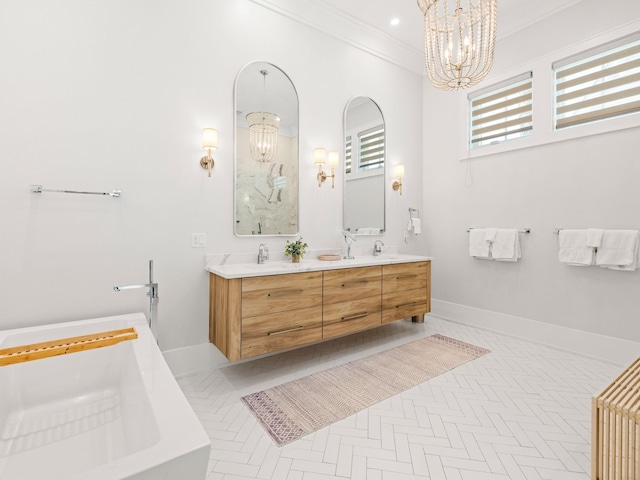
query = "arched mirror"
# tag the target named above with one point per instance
(364, 167)
(266, 152)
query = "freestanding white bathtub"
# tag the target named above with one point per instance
(109, 413)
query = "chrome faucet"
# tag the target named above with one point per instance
(377, 248)
(348, 239)
(263, 253)
(152, 294)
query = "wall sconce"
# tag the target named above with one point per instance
(320, 158)
(398, 172)
(210, 142)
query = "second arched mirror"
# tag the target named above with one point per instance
(364, 167)
(266, 152)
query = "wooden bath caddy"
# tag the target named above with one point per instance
(63, 346)
(329, 257)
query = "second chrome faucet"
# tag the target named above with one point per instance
(377, 248)
(263, 253)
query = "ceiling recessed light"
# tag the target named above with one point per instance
(394, 21)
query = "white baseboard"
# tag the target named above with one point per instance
(187, 360)
(610, 349)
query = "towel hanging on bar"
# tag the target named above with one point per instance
(522, 230)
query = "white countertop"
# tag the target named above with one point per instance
(308, 264)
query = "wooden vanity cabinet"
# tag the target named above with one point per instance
(257, 315)
(351, 300)
(406, 291)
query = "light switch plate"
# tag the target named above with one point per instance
(198, 240)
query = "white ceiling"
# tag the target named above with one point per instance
(513, 15)
(365, 24)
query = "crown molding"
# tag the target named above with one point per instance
(352, 31)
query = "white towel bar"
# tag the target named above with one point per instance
(39, 189)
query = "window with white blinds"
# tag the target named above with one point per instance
(347, 155)
(597, 84)
(501, 112)
(371, 148)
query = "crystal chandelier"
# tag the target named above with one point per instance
(459, 39)
(263, 130)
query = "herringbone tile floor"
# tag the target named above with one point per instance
(520, 412)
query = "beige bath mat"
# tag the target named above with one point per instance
(297, 408)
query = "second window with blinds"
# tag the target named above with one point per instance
(501, 112)
(598, 84)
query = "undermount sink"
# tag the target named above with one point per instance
(268, 264)
(379, 258)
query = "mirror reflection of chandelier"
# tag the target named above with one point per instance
(459, 40)
(263, 130)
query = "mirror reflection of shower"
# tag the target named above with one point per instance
(266, 192)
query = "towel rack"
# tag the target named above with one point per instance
(39, 189)
(414, 213)
(557, 230)
(522, 230)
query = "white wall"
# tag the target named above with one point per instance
(590, 182)
(97, 95)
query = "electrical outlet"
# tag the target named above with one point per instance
(198, 240)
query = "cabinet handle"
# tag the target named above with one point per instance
(406, 277)
(284, 293)
(356, 282)
(288, 330)
(353, 317)
(405, 304)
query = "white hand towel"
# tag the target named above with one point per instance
(573, 248)
(490, 235)
(478, 246)
(619, 250)
(594, 237)
(417, 226)
(506, 246)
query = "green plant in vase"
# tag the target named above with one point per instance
(295, 250)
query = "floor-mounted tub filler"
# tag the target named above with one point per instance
(95, 400)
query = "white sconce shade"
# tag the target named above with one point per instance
(334, 159)
(209, 142)
(319, 156)
(398, 172)
(210, 138)
(319, 159)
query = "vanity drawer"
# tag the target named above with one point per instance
(346, 317)
(396, 306)
(277, 331)
(280, 293)
(346, 284)
(404, 276)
